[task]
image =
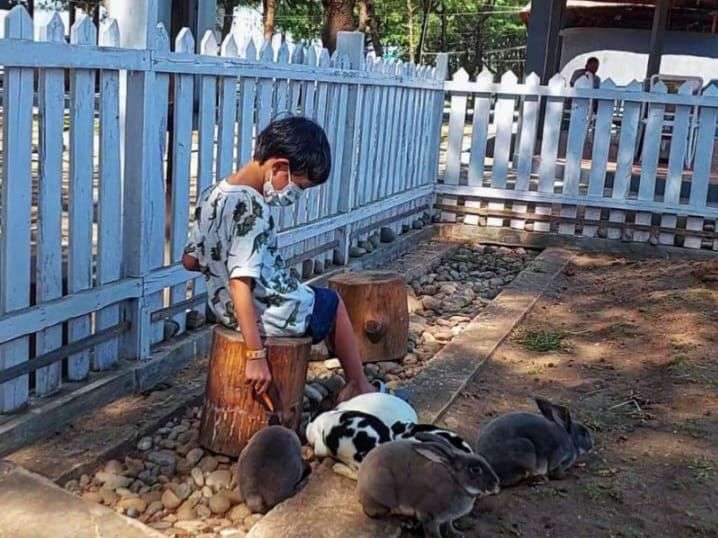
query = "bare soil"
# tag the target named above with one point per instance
(633, 350)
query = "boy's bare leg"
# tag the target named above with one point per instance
(346, 348)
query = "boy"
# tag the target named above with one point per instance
(233, 242)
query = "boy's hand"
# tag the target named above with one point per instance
(258, 375)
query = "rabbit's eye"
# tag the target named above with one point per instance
(475, 470)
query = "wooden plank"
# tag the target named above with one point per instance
(601, 143)
(158, 183)
(265, 88)
(248, 95)
(676, 162)
(701, 168)
(82, 118)
(227, 114)
(48, 269)
(527, 140)
(503, 126)
(578, 127)
(399, 123)
(457, 119)
(549, 146)
(624, 162)
(389, 154)
(626, 204)
(181, 165)
(649, 159)
(15, 200)
(280, 109)
(206, 122)
(109, 241)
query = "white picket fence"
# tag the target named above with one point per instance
(89, 253)
(615, 162)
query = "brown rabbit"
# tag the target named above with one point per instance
(270, 468)
(429, 480)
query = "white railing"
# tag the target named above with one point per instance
(616, 162)
(89, 252)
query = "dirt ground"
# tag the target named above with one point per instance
(632, 347)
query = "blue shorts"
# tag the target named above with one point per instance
(324, 314)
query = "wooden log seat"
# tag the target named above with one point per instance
(232, 411)
(377, 305)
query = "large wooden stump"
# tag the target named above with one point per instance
(232, 411)
(377, 306)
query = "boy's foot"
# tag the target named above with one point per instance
(353, 388)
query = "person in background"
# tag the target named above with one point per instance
(589, 70)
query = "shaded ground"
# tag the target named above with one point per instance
(631, 346)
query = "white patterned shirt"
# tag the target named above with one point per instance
(233, 235)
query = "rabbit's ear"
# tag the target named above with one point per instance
(555, 413)
(433, 452)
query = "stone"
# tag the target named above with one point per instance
(375, 240)
(194, 455)
(92, 496)
(163, 458)
(207, 492)
(232, 532)
(111, 480)
(197, 476)
(72, 485)
(182, 490)
(313, 394)
(153, 508)
(208, 464)
(431, 303)
(356, 252)
(387, 235)
(144, 444)
(140, 505)
(133, 467)
(109, 497)
(366, 245)
(219, 479)
(84, 481)
(409, 359)
(124, 492)
(413, 303)
(160, 525)
(332, 364)
(170, 500)
(251, 521)
(193, 526)
(332, 383)
(114, 467)
(219, 503)
(186, 510)
(417, 224)
(239, 513)
(195, 320)
(202, 511)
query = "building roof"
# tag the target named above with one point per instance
(686, 15)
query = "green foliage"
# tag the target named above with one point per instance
(541, 341)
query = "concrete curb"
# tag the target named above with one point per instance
(434, 389)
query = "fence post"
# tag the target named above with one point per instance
(442, 69)
(140, 193)
(351, 45)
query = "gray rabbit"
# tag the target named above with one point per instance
(270, 468)
(429, 480)
(523, 445)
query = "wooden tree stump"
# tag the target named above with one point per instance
(232, 412)
(377, 306)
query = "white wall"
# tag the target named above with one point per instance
(623, 53)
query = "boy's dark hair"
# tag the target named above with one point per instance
(592, 60)
(299, 140)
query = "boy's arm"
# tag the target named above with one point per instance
(257, 370)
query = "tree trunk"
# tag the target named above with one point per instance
(410, 10)
(269, 9)
(338, 16)
(369, 24)
(377, 306)
(426, 6)
(232, 412)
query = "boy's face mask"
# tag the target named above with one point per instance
(287, 196)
